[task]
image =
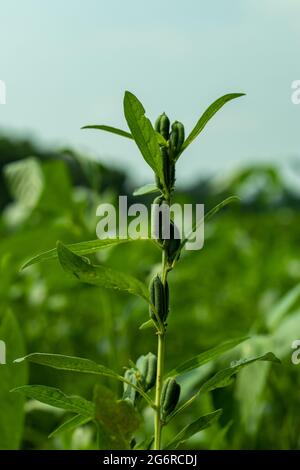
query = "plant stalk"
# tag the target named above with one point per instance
(160, 371)
(159, 381)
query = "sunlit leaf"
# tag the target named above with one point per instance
(146, 189)
(207, 115)
(143, 133)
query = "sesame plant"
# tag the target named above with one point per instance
(146, 382)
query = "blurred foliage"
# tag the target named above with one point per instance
(244, 281)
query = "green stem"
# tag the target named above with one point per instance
(159, 381)
(160, 370)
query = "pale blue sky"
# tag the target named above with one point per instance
(67, 63)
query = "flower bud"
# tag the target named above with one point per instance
(169, 397)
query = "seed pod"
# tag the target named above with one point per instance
(159, 296)
(147, 366)
(176, 138)
(173, 244)
(157, 219)
(162, 125)
(169, 397)
(130, 392)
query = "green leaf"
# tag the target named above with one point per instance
(209, 215)
(113, 130)
(147, 324)
(70, 363)
(207, 115)
(161, 140)
(99, 275)
(205, 357)
(11, 376)
(146, 189)
(224, 377)
(82, 248)
(117, 420)
(143, 133)
(55, 397)
(191, 429)
(70, 424)
(76, 364)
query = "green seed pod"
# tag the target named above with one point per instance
(169, 397)
(147, 366)
(159, 296)
(162, 125)
(129, 392)
(173, 244)
(176, 138)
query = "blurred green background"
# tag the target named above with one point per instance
(244, 281)
(67, 64)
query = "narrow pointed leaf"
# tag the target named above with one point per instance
(205, 357)
(82, 248)
(99, 275)
(224, 377)
(111, 129)
(146, 189)
(209, 215)
(76, 364)
(207, 115)
(143, 133)
(191, 429)
(70, 363)
(55, 397)
(72, 423)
